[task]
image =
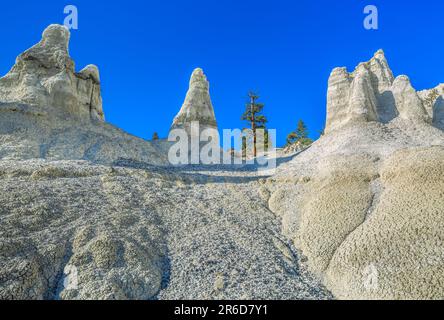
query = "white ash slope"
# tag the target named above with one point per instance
(365, 202)
(49, 111)
(97, 219)
(224, 243)
(139, 232)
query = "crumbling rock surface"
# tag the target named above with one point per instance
(92, 219)
(397, 252)
(133, 231)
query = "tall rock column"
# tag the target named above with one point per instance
(382, 75)
(196, 118)
(197, 105)
(337, 98)
(408, 103)
(363, 100)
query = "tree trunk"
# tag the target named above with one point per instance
(253, 125)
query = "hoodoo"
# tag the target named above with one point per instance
(371, 93)
(50, 111)
(363, 202)
(197, 105)
(44, 75)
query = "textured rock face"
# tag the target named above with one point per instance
(363, 203)
(44, 76)
(397, 250)
(371, 93)
(53, 223)
(433, 101)
(197, 105)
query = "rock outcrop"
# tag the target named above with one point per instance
(371, 93)
(45, 76)
(433, 101)
(364, 202)
(195, 125)
(50, 111)
(197, 105)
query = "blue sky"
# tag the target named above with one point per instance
(146, 51)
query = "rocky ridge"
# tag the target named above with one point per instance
(371, 93)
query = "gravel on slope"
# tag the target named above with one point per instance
(224, 243)
(136, 231)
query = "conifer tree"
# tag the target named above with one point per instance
(299, 135)
(253, 114)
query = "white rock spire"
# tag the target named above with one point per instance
(197, 105)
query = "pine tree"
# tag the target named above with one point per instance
(155, 136)
(253, 114)
(299, 135)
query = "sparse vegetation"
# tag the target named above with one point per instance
(300, 135)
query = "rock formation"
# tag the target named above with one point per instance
(371, 93)
(196, 117)
(433, 101)
(44, 75)
(47, 110)
(197, 105)
(364, 202)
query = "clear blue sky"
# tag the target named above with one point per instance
(146, 51)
